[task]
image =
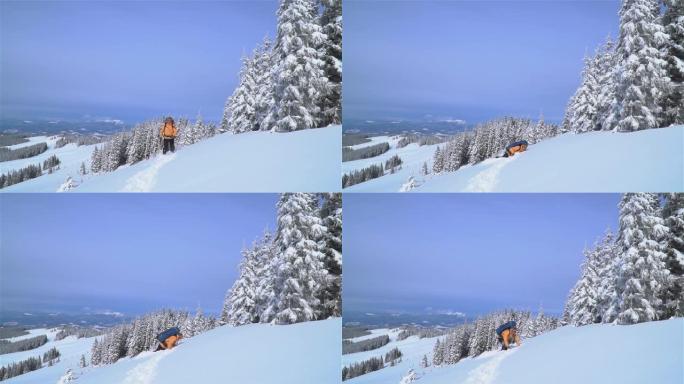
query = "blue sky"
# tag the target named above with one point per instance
(128, 60)
(125, 252)
(472, 253)
(472, 60)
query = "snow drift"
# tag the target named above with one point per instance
(648, 161)
(594, 354)
(260, 353)
(301, 161)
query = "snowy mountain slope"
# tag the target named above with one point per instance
(413, 156)
(595, 354)
(250, 162)
(259, 353)
(649, 160)
(306, 160)
(70, 155)
(70, 348)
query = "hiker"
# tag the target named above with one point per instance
(168, 338)
(513, 148)
(508, 334)
(168, 134)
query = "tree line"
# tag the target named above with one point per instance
(294, 82)
(472, 339)
(636, 276)
(349, 346)
(637, 82)
(295, 274)
(140, 335)
(350, 154)
(143, 142)
(28, 365)
(360, 175)
(488, 140)
(29, 172)
(22, 345)
(371, 365)
(7, 154)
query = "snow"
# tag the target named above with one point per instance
(301, 161)
(412, 156)
(70, 348)
(70, 155)
(257, 353)
(594, 354)
(649, 160)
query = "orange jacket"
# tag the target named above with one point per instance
(168, 131)
(518, 148)
(170, 342)
(508, 338)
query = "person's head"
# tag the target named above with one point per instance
(169, 121)
(514, 331)
(180, 335)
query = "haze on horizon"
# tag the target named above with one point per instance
(127, 61)
(470, 253)
(129, 253)
(470, 60)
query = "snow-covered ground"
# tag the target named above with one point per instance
(70, 348)
(650, 160)
(595, 354)
(412, 156)
(260, 354)
(299, 161)
(70, 155)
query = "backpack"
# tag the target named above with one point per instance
(503, 327)
(173, 331)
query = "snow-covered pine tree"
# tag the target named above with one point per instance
(331, 22)
(225, 118)
(606, 102)
(263, 97)
(300, 272)
(642, 78)
(642, 272)
(299, 76)
(243, 293)
(673, 51)
(438, 354)
(264, 256)
(438, 161)
(583, 304)
(584, 116)
(95, 161)
(673, 293)
(241, 104)
(606, 263)
(331, 245)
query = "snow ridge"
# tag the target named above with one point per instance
(144, 180)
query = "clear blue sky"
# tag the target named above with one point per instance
(128, 60)
(471, 60)
(472, 253)
(125, 252)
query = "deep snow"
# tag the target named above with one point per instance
(70, 348)
(649, 161)
(595, 354)
(259, 353)
(302, 161)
